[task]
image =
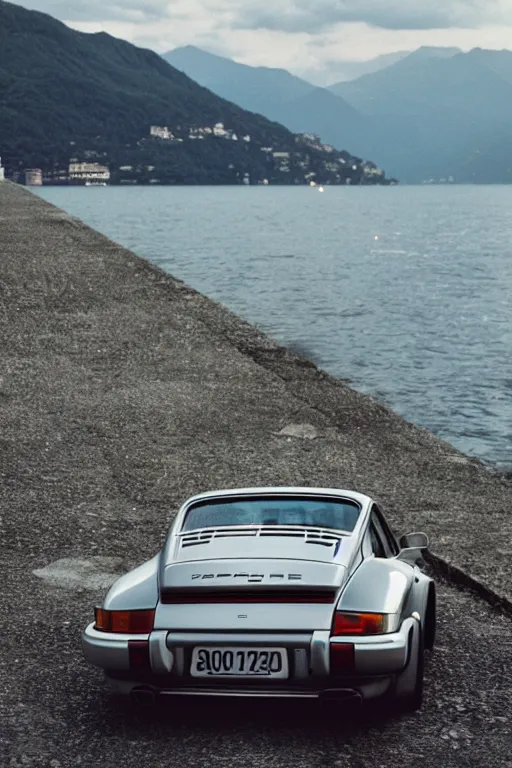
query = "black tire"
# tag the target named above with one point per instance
(413, 700)
(430, 620)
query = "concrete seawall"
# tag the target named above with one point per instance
(123, 391)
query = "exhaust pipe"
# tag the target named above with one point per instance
(342, 696)
(143, 697)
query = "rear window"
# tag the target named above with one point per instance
(339, 514)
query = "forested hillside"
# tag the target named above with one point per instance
(67, 94)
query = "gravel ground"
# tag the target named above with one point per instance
(122, 391)
(57, 708)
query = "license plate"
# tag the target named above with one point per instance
(239, 662)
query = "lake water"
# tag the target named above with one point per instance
(420, 318)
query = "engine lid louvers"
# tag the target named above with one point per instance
(321, 536)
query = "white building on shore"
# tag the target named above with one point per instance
(2, 171)
(160, 132)
(88, 173)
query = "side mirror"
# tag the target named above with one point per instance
(411, 546)
(414, 541)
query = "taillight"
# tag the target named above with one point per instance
(358, 624)
(127, 622)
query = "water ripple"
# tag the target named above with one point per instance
(420, 318)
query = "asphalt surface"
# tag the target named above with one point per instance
(122, 391)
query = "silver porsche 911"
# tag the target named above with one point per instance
(275, 592)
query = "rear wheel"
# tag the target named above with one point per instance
(408, 691)
(430, 619)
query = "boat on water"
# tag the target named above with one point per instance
(95, 183)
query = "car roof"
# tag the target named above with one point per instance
(360, 498)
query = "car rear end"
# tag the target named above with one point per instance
(250, 636)
(300, 663)
(251, 609)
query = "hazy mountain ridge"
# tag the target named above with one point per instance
(435, 113)
(345, 71)
(360, 69)
(275, 93)
(245, 82)
(438, 114)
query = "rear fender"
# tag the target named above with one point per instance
(378, 586)
(136, 590)
(422, 601)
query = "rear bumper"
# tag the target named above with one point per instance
(350, 690)
(376, 660)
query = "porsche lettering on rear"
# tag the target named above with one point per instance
(249, 576)
(331, 603)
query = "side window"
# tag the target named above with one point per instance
(377, 544)
(390, 541)
(382, 534)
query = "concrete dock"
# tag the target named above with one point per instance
(122, 392)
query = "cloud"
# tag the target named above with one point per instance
(306, 37)
(96, 10)
(288, 15)
(319, 15)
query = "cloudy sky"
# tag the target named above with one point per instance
(307, 37)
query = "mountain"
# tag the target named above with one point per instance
(434, 113)
(325, 114)
(275, 93)
(252, 88)
(344, 71)
(402, 82)
(439, 115)
(402, 62)
(69, 95)
(433, 52)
